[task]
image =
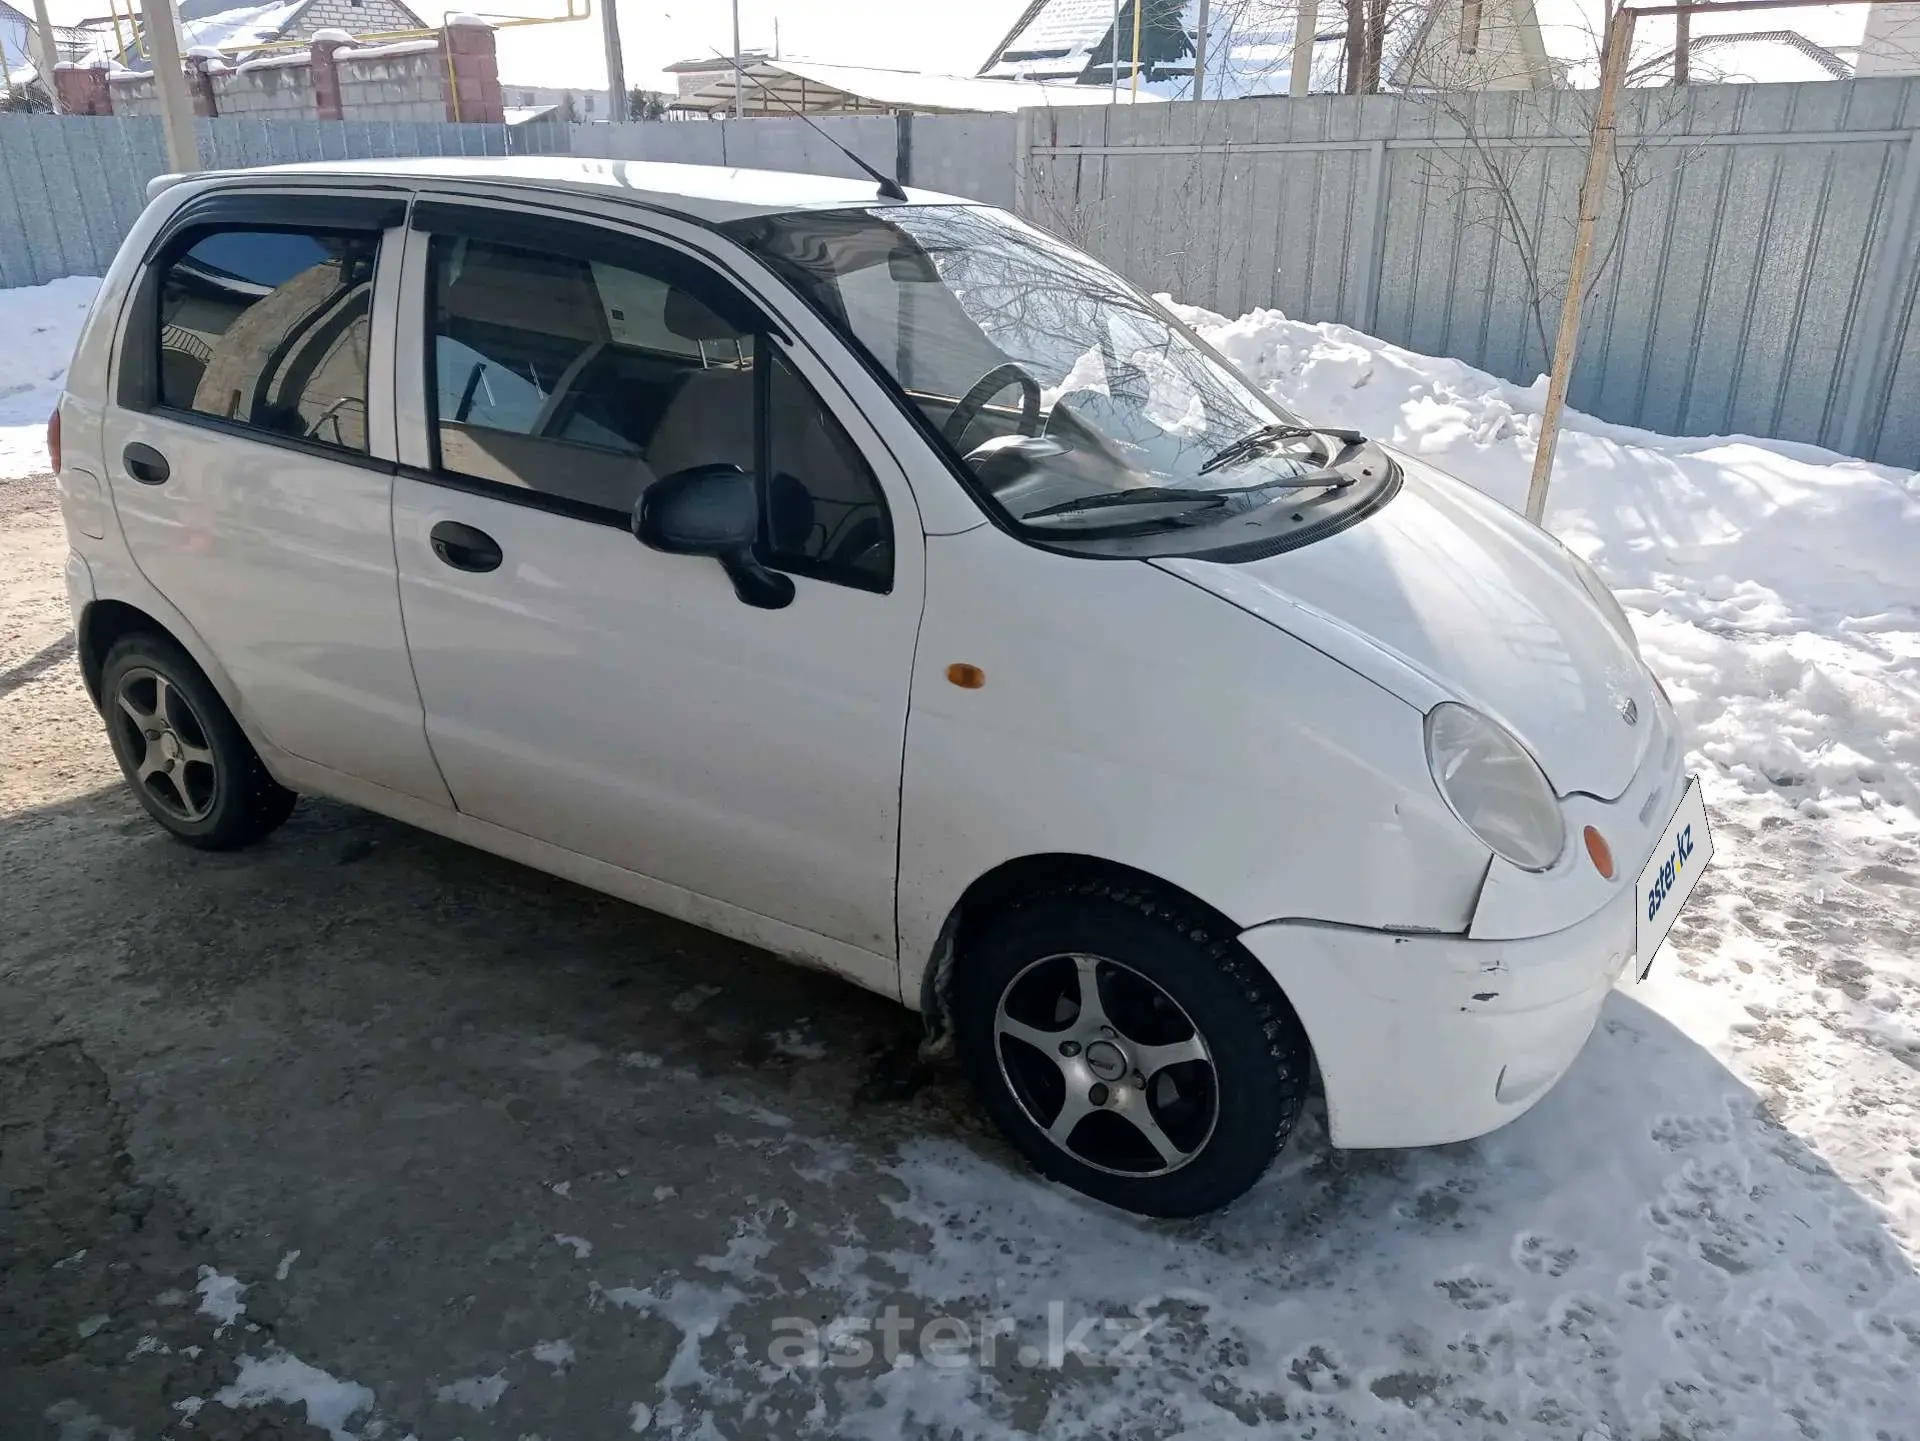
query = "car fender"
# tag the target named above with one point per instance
(1123, 714)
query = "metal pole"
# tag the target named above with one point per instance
(1113, 57)
(1682, 43)
(737, 97)
(1307, 22)
(49, 53)
(119, 38)
(176, 111)
(1200, 53)
(1593, 195)
(616, 70)
(1136, 48)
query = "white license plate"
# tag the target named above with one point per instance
(1671, 873)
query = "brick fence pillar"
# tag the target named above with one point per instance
(327, 102)
(83, 90)
(470, 76)
(200, 81)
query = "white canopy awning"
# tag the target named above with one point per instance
(858, 89)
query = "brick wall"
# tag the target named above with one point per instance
(408, 85)
(454, 76)
(282, 86)
(370, 17)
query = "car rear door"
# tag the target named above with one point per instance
(250, 444)
(620, 703)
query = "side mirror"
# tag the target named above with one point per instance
(712, 510)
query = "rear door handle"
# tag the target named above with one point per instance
(145, 464)
(465, 548)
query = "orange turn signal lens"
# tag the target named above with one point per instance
(967, 677)
(1600, 853)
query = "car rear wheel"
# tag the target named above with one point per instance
(1128, 1047)
(181, 750)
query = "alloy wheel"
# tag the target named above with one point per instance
(173, 762)
(1108, 1065)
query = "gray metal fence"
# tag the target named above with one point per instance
(970, 155)
(1765, 281)
(71, 186)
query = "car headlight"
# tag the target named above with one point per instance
(1494, 786)
(1590, 581)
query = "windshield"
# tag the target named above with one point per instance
(1072, 398)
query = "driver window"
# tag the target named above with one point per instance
(586, 380)
(268, 329)
(577, 378)
(825, 514)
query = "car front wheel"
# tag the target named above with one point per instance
(1129, 1048)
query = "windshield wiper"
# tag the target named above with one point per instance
(1255, 441)
(1174, 494)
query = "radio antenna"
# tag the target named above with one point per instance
(889, 187)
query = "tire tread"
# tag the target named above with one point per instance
(1287, 1051)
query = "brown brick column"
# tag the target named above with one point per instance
(200, 83)
(82, 90)
(470, 76)
(326, 76)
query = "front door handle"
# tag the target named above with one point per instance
(465, 548)
(145, 464)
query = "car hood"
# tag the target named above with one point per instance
(1446, 594)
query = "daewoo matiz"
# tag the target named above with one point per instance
(887, 584)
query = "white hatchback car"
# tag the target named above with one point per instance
(988, 639)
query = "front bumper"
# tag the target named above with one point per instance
(1424, 1039)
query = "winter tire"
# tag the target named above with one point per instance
(1128, 1047)
(181, 749)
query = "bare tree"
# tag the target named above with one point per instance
(1500, 154)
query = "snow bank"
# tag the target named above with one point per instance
(41, 324)
(1769, 581)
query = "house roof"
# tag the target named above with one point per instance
(1773, 55)
(236, 25)
(16, 23)
(1572, 30)
(1249, 45)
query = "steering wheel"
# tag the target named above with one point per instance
(984, 389)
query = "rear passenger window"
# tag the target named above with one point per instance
(269, 329)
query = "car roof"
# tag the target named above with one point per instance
(700, 192)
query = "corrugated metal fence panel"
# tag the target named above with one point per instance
(963, 155)
(775, 143)
(72, 186)
(1762, 279)
(970, 155)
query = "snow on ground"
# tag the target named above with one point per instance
(1710, 1229)
(40, 324)
(283, 1378)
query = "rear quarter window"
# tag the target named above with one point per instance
(269, 329)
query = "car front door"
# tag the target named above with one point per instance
(611, 700)
(252, 461)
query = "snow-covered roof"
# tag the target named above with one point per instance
(829, 86)
(1572, 30)
(241, 25)
(1249, 46)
